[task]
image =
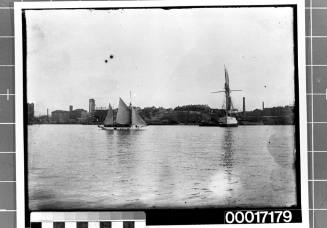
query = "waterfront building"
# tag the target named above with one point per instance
(30, 112)
(60, 116)
(78, 114)
(91, 105)
(70, 111)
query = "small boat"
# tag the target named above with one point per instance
(127, 118)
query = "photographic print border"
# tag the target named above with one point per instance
(159, 216)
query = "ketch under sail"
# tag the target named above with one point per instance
(109, 120)
(124, 114)
(127, 118)
(137, 119)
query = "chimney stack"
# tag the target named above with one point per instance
(263, 105)
(243, 105)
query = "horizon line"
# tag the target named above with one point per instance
(153, 106)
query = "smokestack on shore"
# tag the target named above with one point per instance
(243, 106)
(263, 105)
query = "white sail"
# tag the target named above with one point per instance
(124, 114)
(137, 119)
(109, 120)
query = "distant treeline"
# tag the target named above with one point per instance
(197, 114)
(196, 108)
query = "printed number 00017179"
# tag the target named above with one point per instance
(258, 217)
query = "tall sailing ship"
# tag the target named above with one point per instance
(127, 118)
(228, 120)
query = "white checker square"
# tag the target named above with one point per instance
(139, 224)
(94, 224)
(116, 224)
(47, 224)
(70, 224)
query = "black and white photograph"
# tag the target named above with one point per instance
(150, 108)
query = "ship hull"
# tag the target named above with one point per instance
(228, 125)
(227, 121)
(118, 128)
(217, 125)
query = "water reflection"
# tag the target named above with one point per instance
(224, 183)
(228, 151)
(228, 163)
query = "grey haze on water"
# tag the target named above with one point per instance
(83, 167)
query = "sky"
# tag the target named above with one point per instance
(166, 58)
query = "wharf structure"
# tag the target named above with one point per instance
(71, 116)
(30, 112)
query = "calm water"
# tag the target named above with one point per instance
(83, 167)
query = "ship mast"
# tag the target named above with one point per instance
(130, 106)
(130, 98)
(227, 92)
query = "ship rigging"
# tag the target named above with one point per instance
(127, 118)
(227, 120)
